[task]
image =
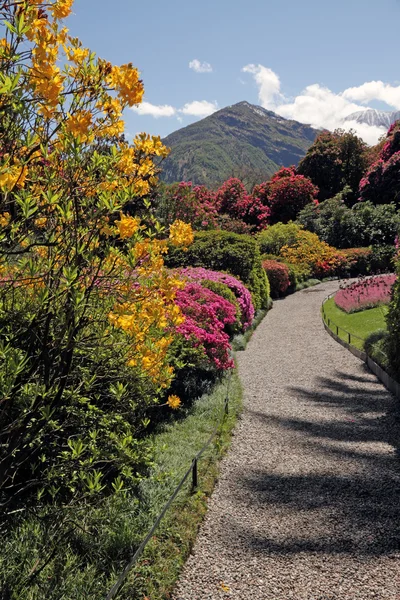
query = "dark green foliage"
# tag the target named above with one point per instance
(216, 148)
(334, 161)
(393, 325)
(225, 251)
(342, 227)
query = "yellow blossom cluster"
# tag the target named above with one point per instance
(181, 234)
(125, 80)
(78, 125)
(151, 145)
(4, 219)
(174, 402)
(62, 9)
(127, 226)
(12, 176)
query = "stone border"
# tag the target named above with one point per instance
(388, 381)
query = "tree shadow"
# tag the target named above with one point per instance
(356, 505)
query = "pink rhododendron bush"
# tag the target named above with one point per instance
(206, 316)
(367, 293)
(242, 294)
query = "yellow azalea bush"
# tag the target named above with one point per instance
(87, 309)
(307, 249)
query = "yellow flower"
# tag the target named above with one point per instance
(79, 123)
(13, 176)
(5, 219)
(62, 9)
(127, 226)
(174, 402)
(125, 80)
(40, 222)
(181, 234)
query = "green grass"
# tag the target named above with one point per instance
(359, 324)
(83, 549)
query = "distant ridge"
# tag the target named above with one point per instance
(235, 141)
(373, 117)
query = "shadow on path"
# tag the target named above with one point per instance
(356, 501)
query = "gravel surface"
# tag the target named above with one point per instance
(308, 502)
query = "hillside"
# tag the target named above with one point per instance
(241, 140)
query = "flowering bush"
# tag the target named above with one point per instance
(206, 315)
(278, 276)
(192, 204)
(232, 199)
(358, 260)
(87, 308)
(286, 194)
(367, 293)
(238, 288)
(272, 239)
(237, 254)
(381, 183)
(308, 249)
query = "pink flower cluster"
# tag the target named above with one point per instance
(238, 288)
(206, 315)
(367, 293)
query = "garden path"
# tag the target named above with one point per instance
(308, 502)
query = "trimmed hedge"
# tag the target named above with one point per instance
(278, 277)
(235, 253)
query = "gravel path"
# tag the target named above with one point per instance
(308, 502)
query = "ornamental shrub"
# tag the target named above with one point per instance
(233, 200)
(206, 316)
(272, 239)
(278, 277)
(241, 293)
(287, 193)
(224, 251)
(324, 260)
(87, 311)
(367, 293)
(393, 325)
(191, 204)
(358, 261)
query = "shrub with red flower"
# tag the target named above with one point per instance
(381, 184)
(367, 293)
(278, 277)
(238, 288)
(308, 249)
(232, 199)
(206, 315)
(188, 203)
(286, 194)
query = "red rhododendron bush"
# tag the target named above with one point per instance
(367, 293)
(278, 277)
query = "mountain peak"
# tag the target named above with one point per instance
(238, 138)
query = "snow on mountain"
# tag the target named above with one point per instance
(374, 118)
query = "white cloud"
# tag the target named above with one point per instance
(156, 111)
(375, 90)
(268, 85)
(200, 67)
(199, 108)
(319, 107)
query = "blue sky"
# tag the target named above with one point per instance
(314, 61)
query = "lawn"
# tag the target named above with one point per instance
(359, 324)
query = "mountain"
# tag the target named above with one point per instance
(377, 118)
(242, 140)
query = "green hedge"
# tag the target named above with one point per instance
(225, 251)
(393, 325)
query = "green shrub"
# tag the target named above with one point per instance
(235, 253)
(382, 259)
(272, 239)
(278, 277)
(393, 325)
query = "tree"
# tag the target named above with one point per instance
(381, 182)
(335, 160)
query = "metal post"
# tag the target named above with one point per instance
(337, 330)
(329, 322)
(349, 336)
(194, 475)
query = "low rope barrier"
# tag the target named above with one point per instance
(192, 470)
